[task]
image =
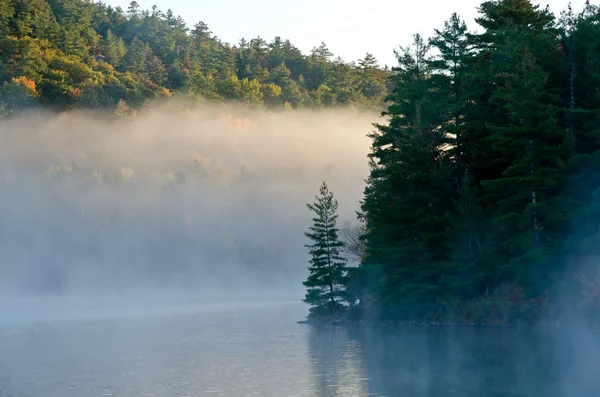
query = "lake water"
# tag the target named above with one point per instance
(259, 350)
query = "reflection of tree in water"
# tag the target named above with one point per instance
(336, 362)
(460, 362)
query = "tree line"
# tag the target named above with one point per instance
(69, 54)
(482, 203)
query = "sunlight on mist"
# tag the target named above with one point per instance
(211, 198)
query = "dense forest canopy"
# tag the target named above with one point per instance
(482, 200)
(483, 196)
(67, 54)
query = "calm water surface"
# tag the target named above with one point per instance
(259, 350)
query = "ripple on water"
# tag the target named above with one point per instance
(262, 351)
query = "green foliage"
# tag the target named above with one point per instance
(409, 192)
(484, 187)
(114, 48)
(17, 94)
(85, 54)
(123, 110)
(326, 282)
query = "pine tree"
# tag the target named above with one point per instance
(135, 58)
(368, 62)
(407, 195)
(201, 34)
(520, 163)
(528, 194)
(114, 48)
(580, 40)
(464, 270)
(325, 284)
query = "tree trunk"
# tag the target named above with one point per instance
(536, 229)
(331, 296)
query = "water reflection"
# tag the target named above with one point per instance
(259, 350)
(479, 362)
(337, 363)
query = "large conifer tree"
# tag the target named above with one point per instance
(580, 42)
(523, 142)
(406, 199)
(465, 242)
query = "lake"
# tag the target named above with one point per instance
(257, 349)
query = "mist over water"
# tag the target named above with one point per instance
(162, 255)
(208, 201)
(246, 349)
(143, 256)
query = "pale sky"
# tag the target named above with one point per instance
(349, 28)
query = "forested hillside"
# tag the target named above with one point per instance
(66, 54)
(482, 203)
(483, 198)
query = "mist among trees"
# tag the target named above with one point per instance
(482, 199)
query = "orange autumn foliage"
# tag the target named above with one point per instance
(26, 83)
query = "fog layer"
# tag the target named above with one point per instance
(210, 199)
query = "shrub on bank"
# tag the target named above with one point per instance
(505, 305)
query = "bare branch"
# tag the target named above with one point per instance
(353, 247)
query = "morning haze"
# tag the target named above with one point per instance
(156, 233)
(207, 200)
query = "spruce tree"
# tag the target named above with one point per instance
(328, 273)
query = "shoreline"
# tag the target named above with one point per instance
(446, 325)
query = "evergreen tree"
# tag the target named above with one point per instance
(466, 270)
(114, 48)
(201, 33)
(328, 273)
(522, 172)
(368, 62)
(133, 11)
(7, 10)
(135, 58)
(580, 41)
(408, 193)
(528, 194)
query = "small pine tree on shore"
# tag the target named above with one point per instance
(326, 282)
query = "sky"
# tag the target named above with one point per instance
(349, 28)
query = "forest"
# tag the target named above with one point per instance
(101, 107)
(482, 204)
(74, 54)
(483, 199)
